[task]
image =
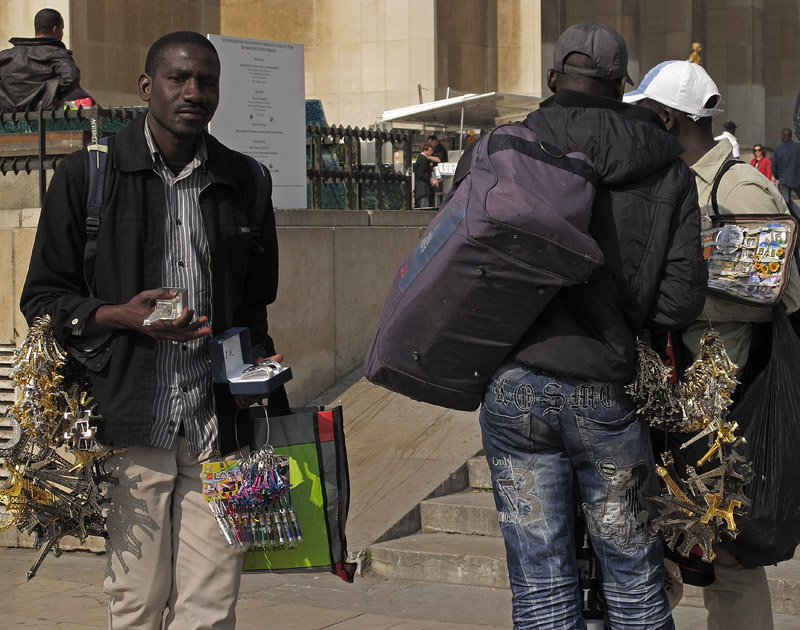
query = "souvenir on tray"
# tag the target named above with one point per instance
(749, 256)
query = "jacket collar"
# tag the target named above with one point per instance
(573, 98)
(707, 167)
(37, 41)
(131, 153)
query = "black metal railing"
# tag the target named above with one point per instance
(344, 158)
(89, 119)
(337, 156)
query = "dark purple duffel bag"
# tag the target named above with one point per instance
(511, 235)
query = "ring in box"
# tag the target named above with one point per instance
(232, 363)
(168, 308)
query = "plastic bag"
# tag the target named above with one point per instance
(769, 418)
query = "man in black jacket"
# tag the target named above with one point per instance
(38, 72)
(558, 411)
(178, 212)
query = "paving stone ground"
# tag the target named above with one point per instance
(67, 595)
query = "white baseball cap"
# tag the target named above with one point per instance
(683, 85)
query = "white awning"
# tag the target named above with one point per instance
(482, 111)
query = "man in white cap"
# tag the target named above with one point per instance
(558, 412)
(685, 97)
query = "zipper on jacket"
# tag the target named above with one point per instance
(217, 450)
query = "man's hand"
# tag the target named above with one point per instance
(131, 316)
(243, 401)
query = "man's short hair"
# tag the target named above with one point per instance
(46, 20)
(433, 138)
(729, 126)
(179, 38)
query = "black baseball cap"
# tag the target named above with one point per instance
(601, 43)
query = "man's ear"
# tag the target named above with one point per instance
(552, 80)
(145, 83)
(670, 118)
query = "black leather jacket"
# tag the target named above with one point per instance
(647, 222)
(37, 73)
(244, 278)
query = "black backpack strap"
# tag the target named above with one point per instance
(715, 186)
(258, 172)
(98, 158)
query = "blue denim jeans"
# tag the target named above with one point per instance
(539, 431)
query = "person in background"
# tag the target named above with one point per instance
(786, 166)
(729, 134)
(424, 181)
(761, 162)
(38, 72)
(439, 154)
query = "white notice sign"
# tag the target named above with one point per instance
(262, 110)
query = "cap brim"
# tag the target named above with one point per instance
(634, 96)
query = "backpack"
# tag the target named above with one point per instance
(512, 234)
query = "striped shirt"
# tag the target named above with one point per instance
(183, 397)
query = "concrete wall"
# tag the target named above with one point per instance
(335, 268)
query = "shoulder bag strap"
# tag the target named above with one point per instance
(98, 158)
(715, 186)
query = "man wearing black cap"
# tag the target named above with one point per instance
(557, 411)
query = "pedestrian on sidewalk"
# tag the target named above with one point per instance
(558, 410)
(181, 213)
(686, 98)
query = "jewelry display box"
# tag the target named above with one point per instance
(232, 363)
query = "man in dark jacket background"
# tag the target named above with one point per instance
(38, 72)
(178, 212)
(558, 411)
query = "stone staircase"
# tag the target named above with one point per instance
(460, 540)
(460, 543)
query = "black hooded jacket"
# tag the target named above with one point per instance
(647, 223)
(130, 244)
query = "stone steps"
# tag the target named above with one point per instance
(460, 543)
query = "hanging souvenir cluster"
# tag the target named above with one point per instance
(56, 480)
(252, 501)
(697, 507)
(747, 258)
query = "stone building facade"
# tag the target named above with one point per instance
(365, 56)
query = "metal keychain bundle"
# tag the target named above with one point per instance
(56, 480)
(698, 507)
(252, 501)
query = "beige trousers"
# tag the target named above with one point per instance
(739, 598)
(168, 564)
